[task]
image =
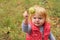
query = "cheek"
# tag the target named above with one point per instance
(42, 21)
(33, 20)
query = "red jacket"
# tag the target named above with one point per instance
(36, 34)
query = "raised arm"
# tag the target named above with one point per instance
(26, 28)
(25, 25)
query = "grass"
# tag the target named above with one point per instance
(11, 17)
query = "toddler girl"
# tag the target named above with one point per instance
(36, 25)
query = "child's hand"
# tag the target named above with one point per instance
(25, 15)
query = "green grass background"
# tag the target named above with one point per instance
(11, 17)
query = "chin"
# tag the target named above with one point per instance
(37, 25)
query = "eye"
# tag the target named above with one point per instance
(40, 18)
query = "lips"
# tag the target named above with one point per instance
(37, 23)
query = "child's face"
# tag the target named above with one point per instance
(38, 20)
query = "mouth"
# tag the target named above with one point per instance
(37, 23)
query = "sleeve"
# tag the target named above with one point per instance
(26, 28)
(51, 37)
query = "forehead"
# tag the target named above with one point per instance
(38, 16)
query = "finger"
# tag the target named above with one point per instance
(25, 14)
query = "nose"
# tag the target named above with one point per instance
(37, 20)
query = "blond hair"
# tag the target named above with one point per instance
(39, 11)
